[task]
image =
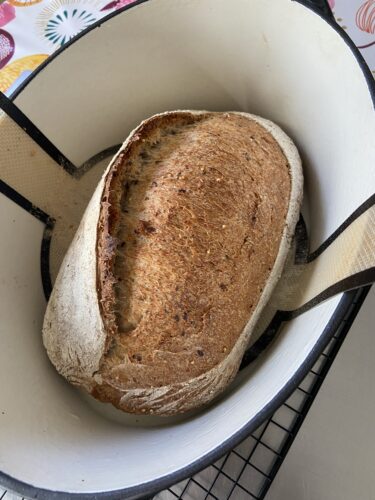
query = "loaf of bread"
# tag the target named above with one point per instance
(177, 253)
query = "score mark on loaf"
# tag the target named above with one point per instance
(178, 251)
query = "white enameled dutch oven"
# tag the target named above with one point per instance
(285, 60)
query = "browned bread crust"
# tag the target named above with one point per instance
(193, 213)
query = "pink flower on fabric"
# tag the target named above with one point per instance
(7, 13)
(365, 18)
(117, 4)
(122, 3)
(331, 3)
(6, 47)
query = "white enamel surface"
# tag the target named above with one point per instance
(278, 61)
(52, 438)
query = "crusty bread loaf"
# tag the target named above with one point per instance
(177, 253)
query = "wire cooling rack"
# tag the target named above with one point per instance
(247, 472)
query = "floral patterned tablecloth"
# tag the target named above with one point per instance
(30, 30)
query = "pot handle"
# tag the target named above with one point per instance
(320, 6)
